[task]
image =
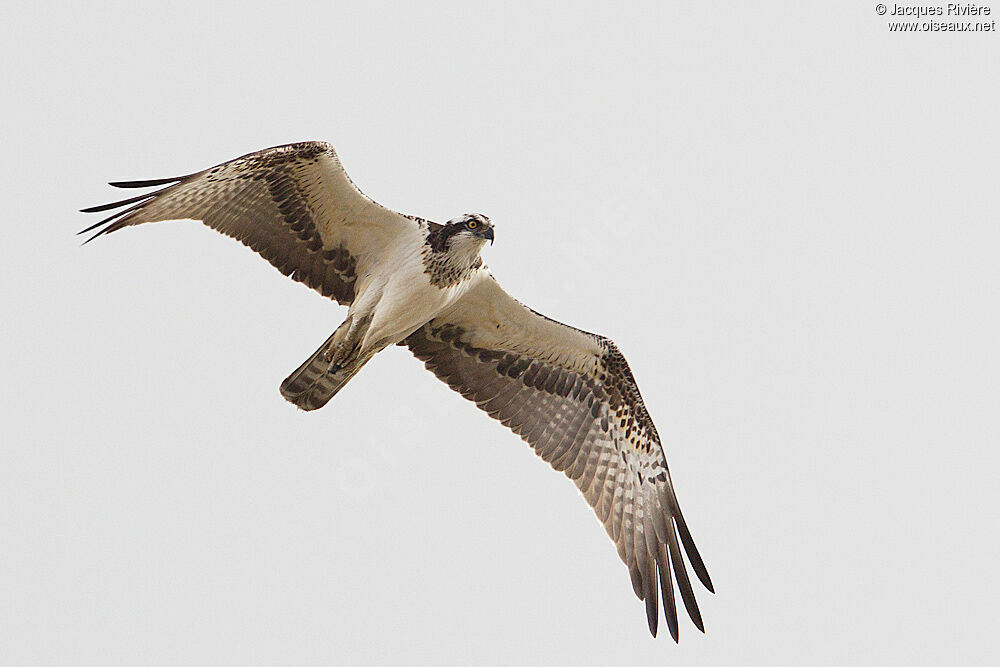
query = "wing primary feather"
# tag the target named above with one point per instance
(110, 218)
(652, 599)
(683, 583)
(692, 551)
(148, 183)
(667, 587)
(116, 204)
(636, 575)
(138, 202)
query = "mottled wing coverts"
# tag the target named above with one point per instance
(294, 205)
(571, 396)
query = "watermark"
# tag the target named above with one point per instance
(952, 17)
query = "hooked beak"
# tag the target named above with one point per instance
(488, 234)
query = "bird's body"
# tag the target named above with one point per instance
(409, 288)
(408, 281)
(399, 293)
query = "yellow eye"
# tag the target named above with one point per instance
(472, 224)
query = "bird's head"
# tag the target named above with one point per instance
(471, 230)
(453, 248)
(458, 242)
(462, 238)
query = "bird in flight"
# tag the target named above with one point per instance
(423, 285)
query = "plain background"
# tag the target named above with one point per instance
(784, 214)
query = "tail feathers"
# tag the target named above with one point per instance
(312, 385)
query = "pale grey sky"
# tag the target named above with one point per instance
(784, 214)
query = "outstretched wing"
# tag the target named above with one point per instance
(293, 204)
(571, 396)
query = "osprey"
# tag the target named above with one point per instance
(409, 281)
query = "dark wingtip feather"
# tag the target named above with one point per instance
(697, 564)
(147, 183)
(683, 583)
(651, 619)
(119, 215)
(95, 226)
(633, 571)
(116, 204)
(667, 590)
(101, 222)
(95, 235)
(650, 592)
(137, 203)
(652, 609)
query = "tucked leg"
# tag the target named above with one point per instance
(344, 346)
